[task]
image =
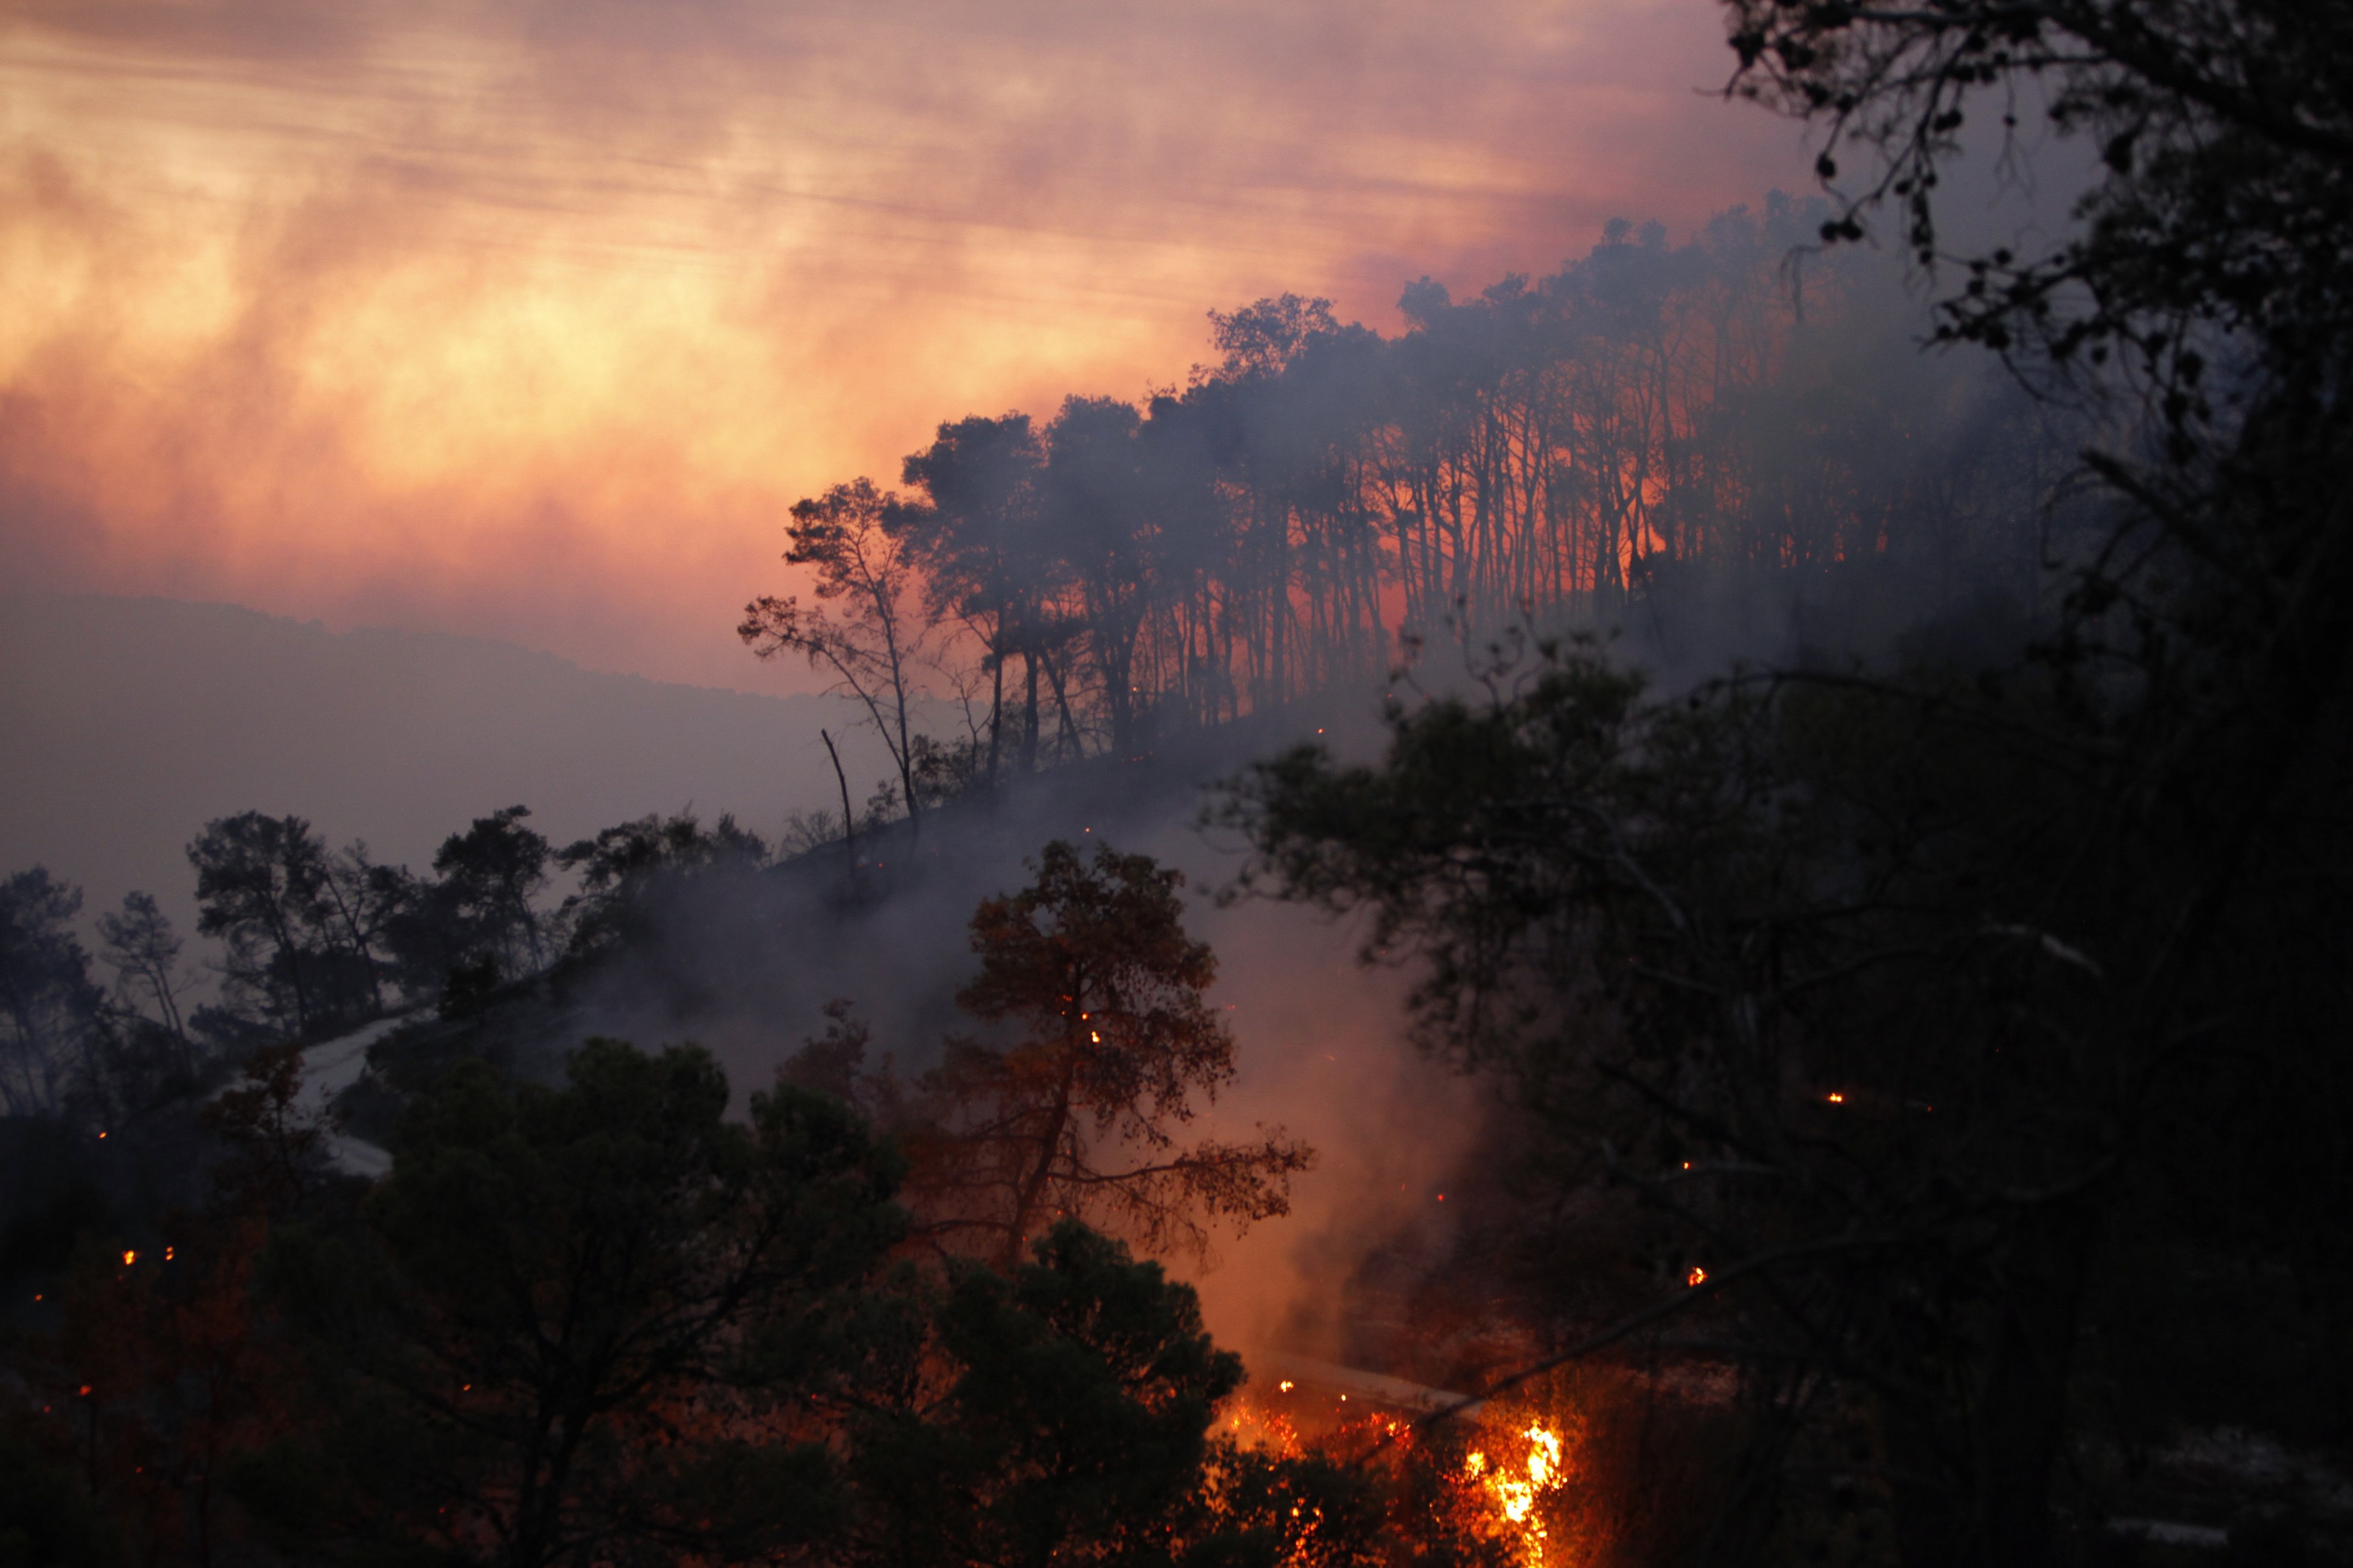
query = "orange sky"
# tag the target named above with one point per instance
(527, 320)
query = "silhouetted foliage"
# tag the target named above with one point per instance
(876, 642)
(1324, 500)
(50, 1012)
(541, 1339)
(1092, 973)
(1071, 1426)
(494, 872)
(299, 925)
(139, 942)
(625, 869)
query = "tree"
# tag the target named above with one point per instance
(1632, 429)
(1091, 970)
(278, 1146)
(1071, 1423)
(1098, 515)
(2197, 297)
(174, 1380)
(561, 1328)
(976, 540)
(261, 883)
(50, 1010)
(492, 872)
(625, 868)
(1834, 991)
(361, 904)
(875, 642)
(164, 1375)
(2211, 239)
(139, 942)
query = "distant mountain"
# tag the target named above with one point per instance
(125, 724)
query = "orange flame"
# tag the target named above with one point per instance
(1513, 1494)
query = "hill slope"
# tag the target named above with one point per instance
(126, 723)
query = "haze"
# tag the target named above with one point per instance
(528, 321)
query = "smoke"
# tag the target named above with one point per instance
(745, 966)
(528, 321)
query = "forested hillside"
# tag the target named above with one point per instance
(1842, 851)
(1712, 431)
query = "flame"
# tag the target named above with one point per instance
(1285, 1386)
(1253, 1424)
(129, 1258)
(1513, 1494)
(1838, 1099)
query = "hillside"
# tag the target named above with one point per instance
(129, 723)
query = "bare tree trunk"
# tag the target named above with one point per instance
(849, 817)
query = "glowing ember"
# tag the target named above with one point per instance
(129, 1258)
(1838, 1099)
(1696, 1277)
(1284, 1386)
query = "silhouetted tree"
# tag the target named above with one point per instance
(627, 866)
(1323, 498)
(875, 643)
(976, 537)
(1064, 1417)
(50, 1010)
(1090, 969)
(139, 942)
(560, 1326)
(260, 888)
(493, 872)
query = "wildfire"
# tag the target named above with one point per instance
(1253, 1424)
(1515, 1493)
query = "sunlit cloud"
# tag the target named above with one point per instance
(528, 321)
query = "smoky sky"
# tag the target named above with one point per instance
(527, 320)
